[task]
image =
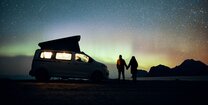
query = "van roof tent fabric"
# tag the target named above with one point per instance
(68, 43)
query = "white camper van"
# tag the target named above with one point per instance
(66, 64)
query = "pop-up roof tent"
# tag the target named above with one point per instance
(68, 43)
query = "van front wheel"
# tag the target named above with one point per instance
(42, 75)
(96, 76)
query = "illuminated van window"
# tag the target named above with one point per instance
(81, 58)
(63, 56)
(46, 55)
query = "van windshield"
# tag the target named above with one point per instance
(82, 58)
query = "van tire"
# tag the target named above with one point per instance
(97, 76)
(42, 75)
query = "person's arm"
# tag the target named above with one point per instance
(127, 67)
(130, 63)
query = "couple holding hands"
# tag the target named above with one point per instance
(121, 64)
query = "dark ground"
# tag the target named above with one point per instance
(112, 92)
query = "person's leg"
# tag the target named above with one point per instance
(134, 75)
(123, 74)
(119, 74)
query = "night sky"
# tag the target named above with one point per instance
(154, 31)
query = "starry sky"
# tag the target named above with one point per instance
(154, 31)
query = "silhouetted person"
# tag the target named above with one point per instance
(120, 66)
(133, 64)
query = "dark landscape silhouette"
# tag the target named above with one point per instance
(189, 67)
(142, 73)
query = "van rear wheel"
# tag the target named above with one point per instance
(96, 77)
(42, 75)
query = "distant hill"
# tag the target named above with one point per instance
(189, 67)
(159, 70)
(142, 73)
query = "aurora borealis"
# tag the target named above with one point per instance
(155, 31)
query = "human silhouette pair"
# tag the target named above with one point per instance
(121, 64)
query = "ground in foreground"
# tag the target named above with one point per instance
(112, 92)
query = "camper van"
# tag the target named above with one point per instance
(65, 62)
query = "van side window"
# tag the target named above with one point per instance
(63, 56)
(46, 55)
(81, 58)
